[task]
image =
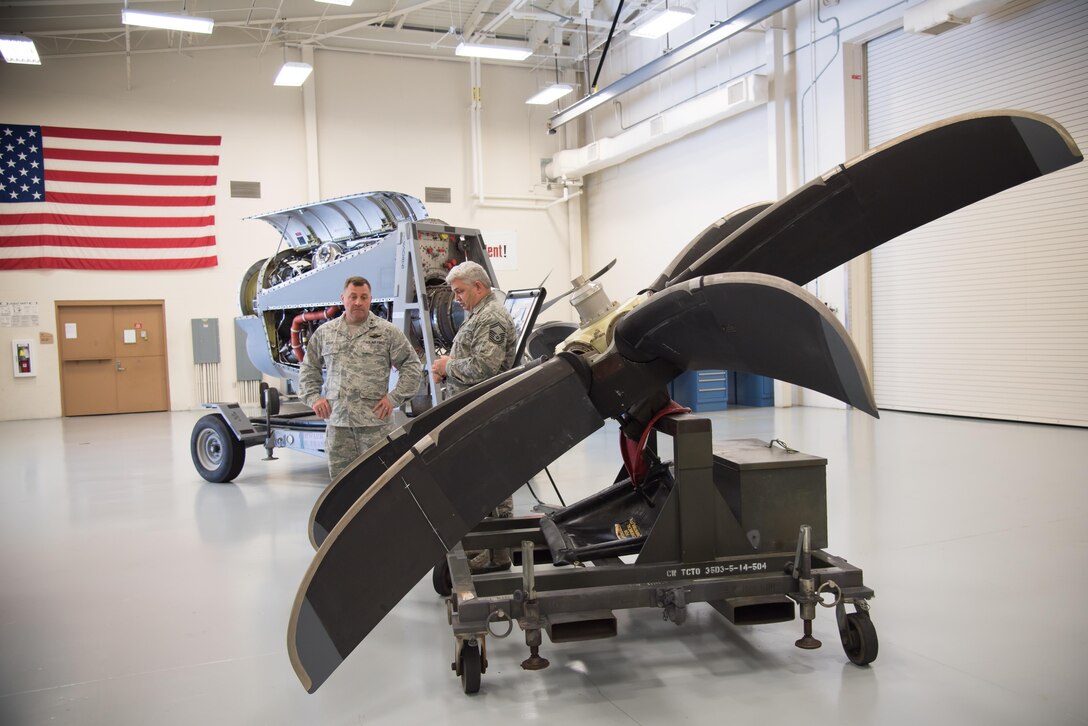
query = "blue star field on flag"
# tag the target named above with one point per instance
(22, 167)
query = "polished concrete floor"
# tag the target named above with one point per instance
(134, 592)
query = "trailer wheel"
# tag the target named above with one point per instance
(217, 455)
(440, 578)
(859, 640)
(270, 400)
(471, 666)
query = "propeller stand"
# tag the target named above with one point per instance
(720, 526)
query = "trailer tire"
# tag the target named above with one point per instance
(217, 454)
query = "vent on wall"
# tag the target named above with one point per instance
(436, 195)
(245, 190)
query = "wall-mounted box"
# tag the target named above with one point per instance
(24, 358)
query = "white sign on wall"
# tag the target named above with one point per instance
(502, 248)
(18, 314)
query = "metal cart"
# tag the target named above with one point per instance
(739, 526)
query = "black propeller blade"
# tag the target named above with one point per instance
(892, 189)
(428, 500)
(707, 240)
(749, 322)
(342, 492)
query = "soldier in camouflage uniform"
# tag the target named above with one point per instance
(357, 350)
(483, 347)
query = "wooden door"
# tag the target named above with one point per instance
(113, 357)
(139, 337)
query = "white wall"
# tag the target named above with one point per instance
(382, 124)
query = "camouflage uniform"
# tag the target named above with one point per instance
(357, 359)
(484, 347)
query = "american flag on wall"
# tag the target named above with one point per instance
(92, 199)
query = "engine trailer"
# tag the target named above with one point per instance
(385, 237)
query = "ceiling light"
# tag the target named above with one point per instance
(497, 52)
(167, 21)
(552, 93)
(293, 73)
(662, 22)
(345, 3)
(19, 49)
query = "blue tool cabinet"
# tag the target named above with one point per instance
(714, 390)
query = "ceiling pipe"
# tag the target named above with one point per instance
(740, 22)
(691, 116)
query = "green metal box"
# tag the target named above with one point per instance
(772, 492)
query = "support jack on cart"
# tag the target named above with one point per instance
(738, 525)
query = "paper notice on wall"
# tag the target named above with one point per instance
(70, 331)
(502, 248)
(130, 336)
(18, 314)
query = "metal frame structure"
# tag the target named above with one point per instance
(682, 561)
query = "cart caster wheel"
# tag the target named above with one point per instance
(860, 641)
(270, 400)
(471, 665)
(440, 578)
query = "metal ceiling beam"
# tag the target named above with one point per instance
(374, 21)
(740, 22)
(474, 18)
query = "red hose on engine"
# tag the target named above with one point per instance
(296, 339)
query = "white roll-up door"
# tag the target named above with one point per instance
(984, 313)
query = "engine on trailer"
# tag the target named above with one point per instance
(384, 237)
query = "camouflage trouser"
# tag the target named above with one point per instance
(344, 444)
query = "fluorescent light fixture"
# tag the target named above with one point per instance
(345, 3)
(496, 52)
(662, 22)
(167, 21)
(552, 93)
(293, 73)
(19, 49)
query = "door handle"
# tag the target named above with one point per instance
(120, 367)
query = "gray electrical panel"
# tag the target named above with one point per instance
(205, 340)
(246, 370)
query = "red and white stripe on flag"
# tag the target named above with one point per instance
(93, 199)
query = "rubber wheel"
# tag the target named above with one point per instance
(471, 663)
(860, 641)
(440, 578)
(270, 400)
(217, 455)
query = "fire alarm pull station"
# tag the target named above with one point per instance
(22, 358)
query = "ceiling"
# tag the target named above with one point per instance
(561, 29)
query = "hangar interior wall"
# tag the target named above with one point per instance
(402, 124)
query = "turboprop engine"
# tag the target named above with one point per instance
(385, 237)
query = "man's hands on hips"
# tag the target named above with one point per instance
(322, 407)
(383, 408)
